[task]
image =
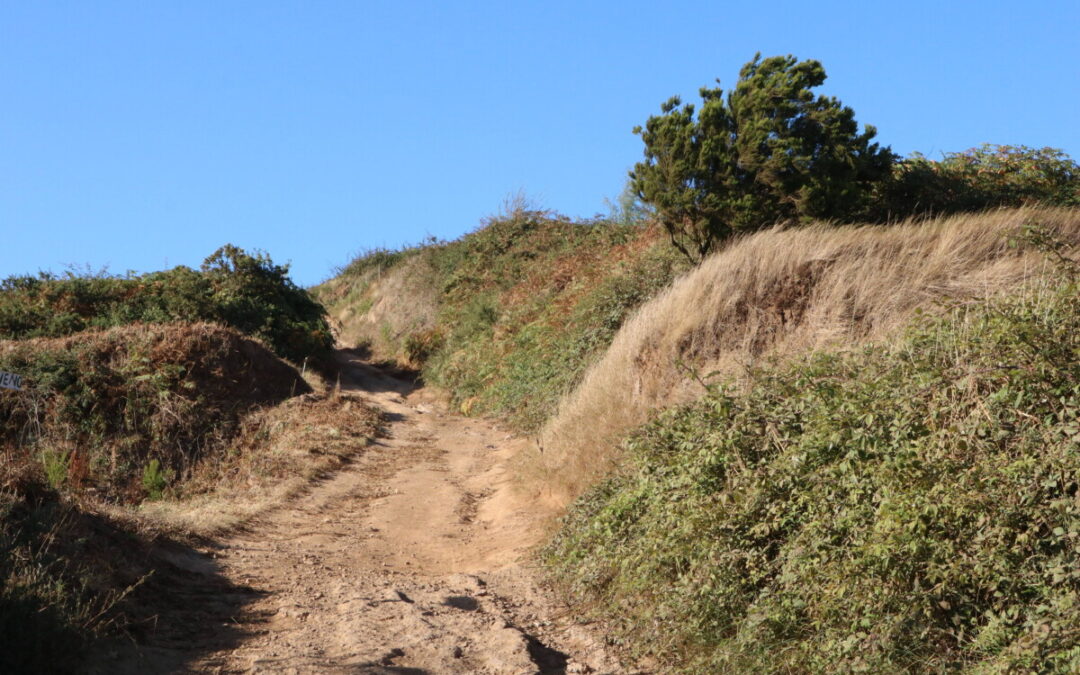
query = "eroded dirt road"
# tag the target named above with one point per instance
(412, 559)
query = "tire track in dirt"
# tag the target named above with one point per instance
(412, 559)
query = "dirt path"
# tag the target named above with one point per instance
(410, 560)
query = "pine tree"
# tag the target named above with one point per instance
(770, 151)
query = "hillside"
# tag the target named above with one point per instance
(905, 507)
(781, 294)
(820, 357)
(508, 317)
(516, 319)
(822, 447)
(138, 423)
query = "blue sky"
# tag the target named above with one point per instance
(143, 135)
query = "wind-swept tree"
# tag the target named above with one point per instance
(770, 151)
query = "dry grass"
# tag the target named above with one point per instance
(779, 294)
(380, 309)
(280, 451)
(215, 406)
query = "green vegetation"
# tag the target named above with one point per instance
(247, 292)
(900, 509)
(101, 408)
(980, 178)
(520, 307)
(773, 152)
(770, 151)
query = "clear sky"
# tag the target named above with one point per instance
(141, 135)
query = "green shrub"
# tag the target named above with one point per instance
(96, 408)
(55, 465)
(256, 296)
(988, 176)
(768, 151)
(247, 292)
(911, 509)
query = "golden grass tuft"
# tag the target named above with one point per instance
(778, 294)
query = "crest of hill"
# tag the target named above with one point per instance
(778, 294)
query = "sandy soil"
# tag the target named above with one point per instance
(412, 559)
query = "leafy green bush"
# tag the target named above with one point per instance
(985, 177)
(247, 292)
(154, 479)
(892, 510)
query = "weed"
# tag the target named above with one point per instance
(55, 464)
(154, 479)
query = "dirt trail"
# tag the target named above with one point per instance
(412, 559)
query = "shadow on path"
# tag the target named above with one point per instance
(358, 374)
(183, 610)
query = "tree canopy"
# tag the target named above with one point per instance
(768, 152)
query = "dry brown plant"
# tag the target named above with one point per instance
(775, 295)
(280, 451)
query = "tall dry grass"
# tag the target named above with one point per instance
(778, 294)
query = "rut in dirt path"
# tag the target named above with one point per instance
(412, 559)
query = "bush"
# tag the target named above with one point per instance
(247, 292)
(99, 408)
(903, 510)
(988, 176)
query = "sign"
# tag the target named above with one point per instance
(10, 381)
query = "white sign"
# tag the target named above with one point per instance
(10, 381)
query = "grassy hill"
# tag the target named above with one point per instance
(131, 399)
(508, 317)
(822, 448)
(905, 507)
